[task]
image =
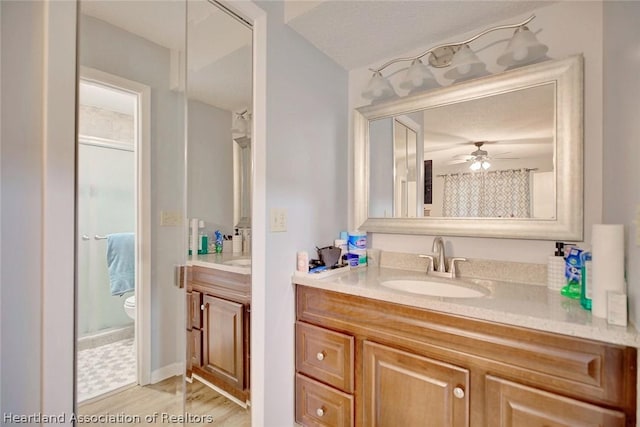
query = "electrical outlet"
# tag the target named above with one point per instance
(170, 218)
(278, 220)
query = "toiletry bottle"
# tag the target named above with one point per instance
(204, 240)
(573, 267)
(236, 242)
(585, 291)
(555, 268)
(201, 248)
(218, 241)
(302, 261)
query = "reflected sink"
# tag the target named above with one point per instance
(241, 262)
(435, 289)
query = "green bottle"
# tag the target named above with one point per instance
(585, 289)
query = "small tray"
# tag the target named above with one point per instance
(322, 274)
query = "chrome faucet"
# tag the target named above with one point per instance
(438, 250)
(437, 261)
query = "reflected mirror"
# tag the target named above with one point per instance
(497, 156)
(152, 88)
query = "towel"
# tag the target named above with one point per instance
(121, 262)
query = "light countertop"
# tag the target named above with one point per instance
(222, 261)
(525, 305)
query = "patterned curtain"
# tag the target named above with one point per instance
(497, 194)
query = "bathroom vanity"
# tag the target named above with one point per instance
(370, 356)
(218, 307)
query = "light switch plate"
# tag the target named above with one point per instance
(278, 220)
(170, 218)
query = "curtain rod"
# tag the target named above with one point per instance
(473, 173)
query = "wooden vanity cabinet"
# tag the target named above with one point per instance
(414, 367)
(218, 328)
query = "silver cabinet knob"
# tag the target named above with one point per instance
(458, 392)
(85, 237)
(320, 355)
(320, 412)
(202, 307)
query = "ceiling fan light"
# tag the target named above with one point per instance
(523, 49)
(465, 65)
(418, 77)
(475, 166)
(486, 165)
(378, 88)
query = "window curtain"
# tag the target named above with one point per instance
(496, 194)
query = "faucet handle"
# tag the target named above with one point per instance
(452, 265)
(431, 263)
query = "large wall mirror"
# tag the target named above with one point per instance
(498, 156)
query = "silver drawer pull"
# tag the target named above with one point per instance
(458, 392)
(320, 355)
(320, 412)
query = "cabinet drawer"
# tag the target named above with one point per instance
(325, 355)
(195, 312)
(509, 404)
(320, 405)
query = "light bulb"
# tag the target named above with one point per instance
(486, 165)
(475, 166)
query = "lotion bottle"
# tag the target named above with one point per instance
(556, 268)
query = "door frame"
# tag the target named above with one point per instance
(142, 153)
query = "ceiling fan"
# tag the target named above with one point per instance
(479, 158)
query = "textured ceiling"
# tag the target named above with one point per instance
(359, 33)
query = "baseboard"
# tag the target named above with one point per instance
(221, 391)
(167, 371)
(105, 337)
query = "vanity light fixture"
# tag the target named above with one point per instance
(241, 124)
(523, 49)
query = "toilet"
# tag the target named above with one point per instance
(130, 306)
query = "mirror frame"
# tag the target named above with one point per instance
(568, 75)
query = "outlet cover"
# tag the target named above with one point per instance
(278, 220)
(170, 218)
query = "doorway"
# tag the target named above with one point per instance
(111, 240)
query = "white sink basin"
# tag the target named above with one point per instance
(241, 262)
(436, 289)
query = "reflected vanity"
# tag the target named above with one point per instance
(498, 156)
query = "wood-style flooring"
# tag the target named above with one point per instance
(203, 406)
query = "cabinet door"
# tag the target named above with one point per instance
(222, 344)
(509, 404)
(404, 389)
(195, 347)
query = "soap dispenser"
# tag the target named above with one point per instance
(236, 242)
(556, 268)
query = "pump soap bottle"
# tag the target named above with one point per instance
(555, 268)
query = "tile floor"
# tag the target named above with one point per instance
(105, 368)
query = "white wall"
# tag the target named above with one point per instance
(210, 173)
(622, 133)
(112, 50)
(37, 157)
(306, 174)
(568, 28)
